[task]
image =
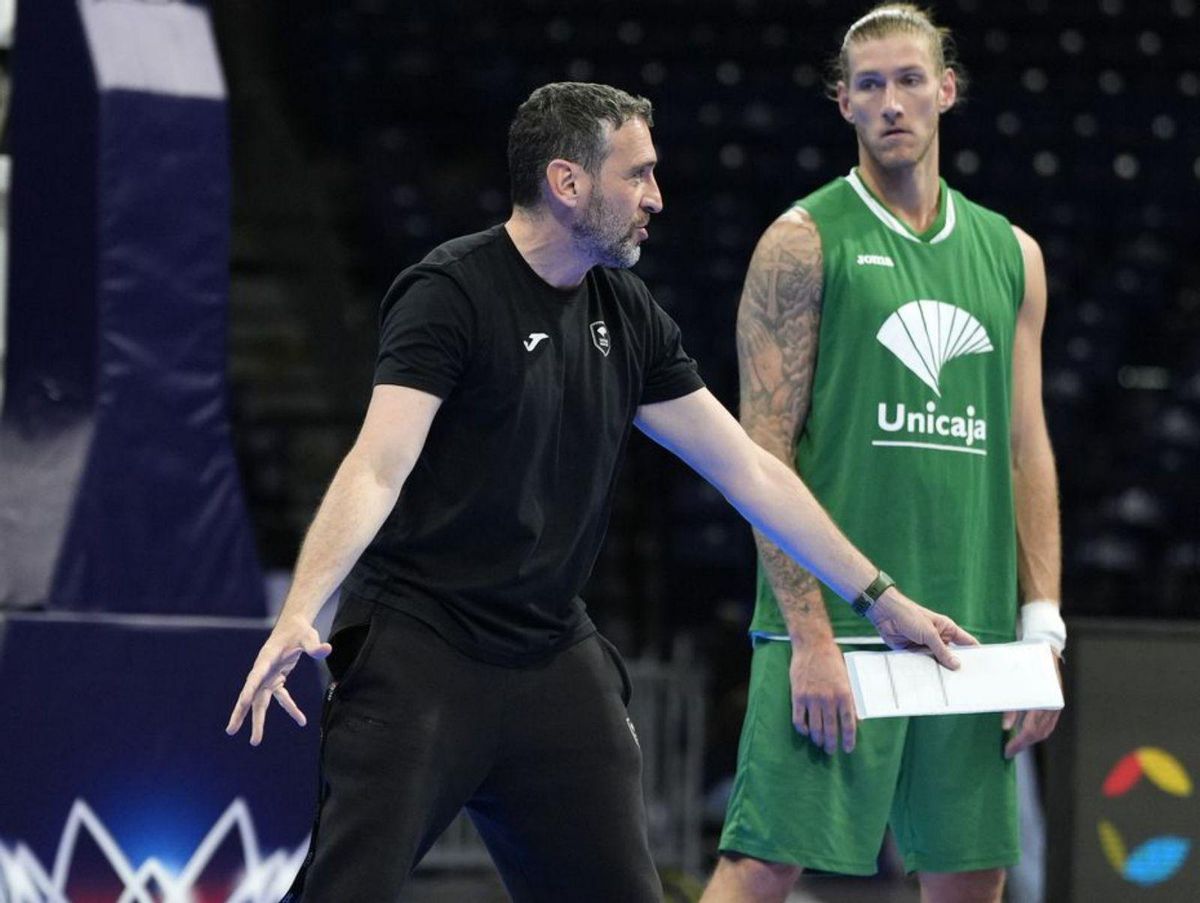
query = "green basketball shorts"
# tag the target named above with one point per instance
(941, 782)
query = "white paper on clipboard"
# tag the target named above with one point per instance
(1003, 677)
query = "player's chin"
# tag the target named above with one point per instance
(895, 157)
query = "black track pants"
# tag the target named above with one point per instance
(543, 758)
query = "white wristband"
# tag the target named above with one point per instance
(1041, 622)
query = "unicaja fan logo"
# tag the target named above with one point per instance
(925, 336)
(1157, 859)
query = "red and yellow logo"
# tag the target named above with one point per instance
(1158, 858)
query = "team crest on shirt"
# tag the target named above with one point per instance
(600, 337)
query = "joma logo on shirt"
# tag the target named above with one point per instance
(875, 260)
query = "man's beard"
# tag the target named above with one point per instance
(601, 235)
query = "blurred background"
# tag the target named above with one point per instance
(361, 134)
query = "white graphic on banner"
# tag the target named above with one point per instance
(23, 879)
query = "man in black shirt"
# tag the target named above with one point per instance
(513, 365)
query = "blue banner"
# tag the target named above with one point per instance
(118, 775)
(118, 486)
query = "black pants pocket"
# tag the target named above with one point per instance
(619, 663)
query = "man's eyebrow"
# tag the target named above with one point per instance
(902, 70)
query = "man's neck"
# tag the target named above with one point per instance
(911, 192)
(547, 247)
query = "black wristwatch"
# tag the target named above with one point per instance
(871, 594)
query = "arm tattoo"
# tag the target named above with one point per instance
(777, 330)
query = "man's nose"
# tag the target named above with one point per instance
(653, 200)
(891, 102)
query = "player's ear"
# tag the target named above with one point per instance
(947, 90)
(843, 101)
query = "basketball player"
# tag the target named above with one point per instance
(889, 343)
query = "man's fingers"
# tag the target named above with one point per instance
(236, 717)
(849, 725)
(952, 633)
(316, 649)
(1032, 727)
(942, 652)
(242, 706)
(1019, 725)
(816, 725)
(258, 716)
(276, 659)
(1028, 727)
(258, 675)
(960, 638)
(1024, 738)
(829, 723)
(284, 698)
(1009, 719)
(800, 716)
(1015, 746)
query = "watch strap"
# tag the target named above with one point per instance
(869, 596)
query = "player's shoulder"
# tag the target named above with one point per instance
(793, 233)
(1030, 250)
(968, 209)
(1028, 244)
(833, 200)
(797, 230)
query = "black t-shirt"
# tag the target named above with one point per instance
(498, 526)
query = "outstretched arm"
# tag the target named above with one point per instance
(704, 435)
(1035, 483)
(360, 497)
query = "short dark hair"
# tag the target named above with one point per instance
(565, 120)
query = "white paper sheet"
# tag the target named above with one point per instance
(999, 678)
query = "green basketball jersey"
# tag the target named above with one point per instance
(907, 440)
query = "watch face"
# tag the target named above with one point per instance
(879, 586)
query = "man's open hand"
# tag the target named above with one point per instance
(279, 654)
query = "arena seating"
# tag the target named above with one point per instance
(1080, 125)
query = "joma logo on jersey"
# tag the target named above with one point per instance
(925, 336)
(875, 260)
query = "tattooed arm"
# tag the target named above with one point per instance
(764, 487)
(777, 328)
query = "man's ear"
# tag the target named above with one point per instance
(566, 182)
(947, 90)
(843, 102)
